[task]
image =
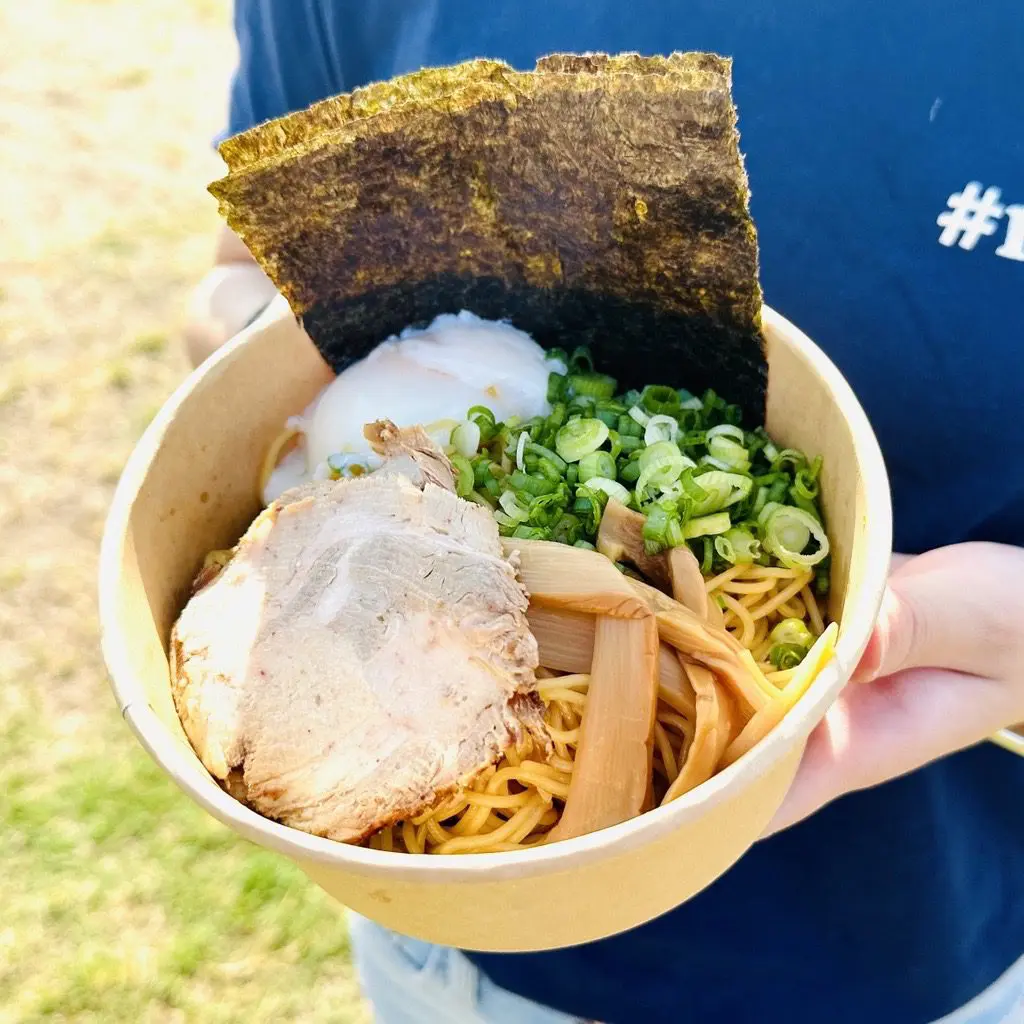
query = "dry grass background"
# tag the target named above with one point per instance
(119, 900)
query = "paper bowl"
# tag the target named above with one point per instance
(190, 485)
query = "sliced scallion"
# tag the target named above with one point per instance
(612, 488)
(786, 656)
(721, 490)
(593, 385)
(787, 533)
(639, 415)
(661, 428)
(707, 526)
(792, 631)
(511, 506)
(738, 546)
(580, 437)
(466, 438)
(596, 464)
(660, 466)
(463, 475)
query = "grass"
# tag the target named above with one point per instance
(121, 901)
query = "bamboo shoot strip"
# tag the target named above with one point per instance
(704, 750)
(613, 766)
(687, 582)
(557, 576)
(565, 640)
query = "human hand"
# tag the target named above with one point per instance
(944, 669)
(227, 300)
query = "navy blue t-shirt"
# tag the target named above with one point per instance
(885, 148)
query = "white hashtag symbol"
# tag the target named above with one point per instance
(971, 215)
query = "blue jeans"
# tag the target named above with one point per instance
(413, 982)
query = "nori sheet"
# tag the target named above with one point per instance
(597, 200)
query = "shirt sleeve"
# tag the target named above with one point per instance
(284, 61)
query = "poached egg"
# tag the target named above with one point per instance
(429, 377)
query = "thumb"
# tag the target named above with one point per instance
(935, 614)
(896, 639)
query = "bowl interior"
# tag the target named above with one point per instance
(190, 486)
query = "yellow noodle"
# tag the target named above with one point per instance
(747, 633)
(793, 609)
(716, 581)
(813, 611)
(794, 587)
(736, 586)
(760, 635)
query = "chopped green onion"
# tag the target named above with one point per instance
(661, 428)
(567, 529)
(660, 466)
(823, 577)
(580, 437)
(786, 656)
(725, 447)
(720, 491)
(524, 438)
(738, 546)
(612, 488)
(657, 398)
(530, 533)
(628, 427)
(792, 631)
(546, 453)
(580, 360)
(788, 531)
(707, 557)
(596, 464)
(593, 385)
(527, 483)
(466, 438)
(707, 525)
(687, 460)
(726, 430)
(639, 415)
(512, 508)
(463, 475)
(630, 472)
(588, 507)
(788, 455)
(547, 509)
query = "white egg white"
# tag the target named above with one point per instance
(430, 377)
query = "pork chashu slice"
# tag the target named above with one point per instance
(364, 653)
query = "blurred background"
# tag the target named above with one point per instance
(119, 899)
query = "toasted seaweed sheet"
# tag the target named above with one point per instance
(596, 200)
